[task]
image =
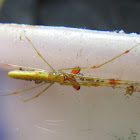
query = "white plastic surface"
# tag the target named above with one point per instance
(62, 113)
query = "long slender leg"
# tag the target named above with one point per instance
(20, 67)
(37, 95)
(17, 92)
(40, 55)
(93, 67)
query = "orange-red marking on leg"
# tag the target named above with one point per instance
(36, 95)
(94, 67)
(77, 87)
(127, 51)
(15, 92)
(38, 53)
(75, 70)
(73, 82)
(95, 85)
(7, 65)
(114, 82)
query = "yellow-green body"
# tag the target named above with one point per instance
(39, 76)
